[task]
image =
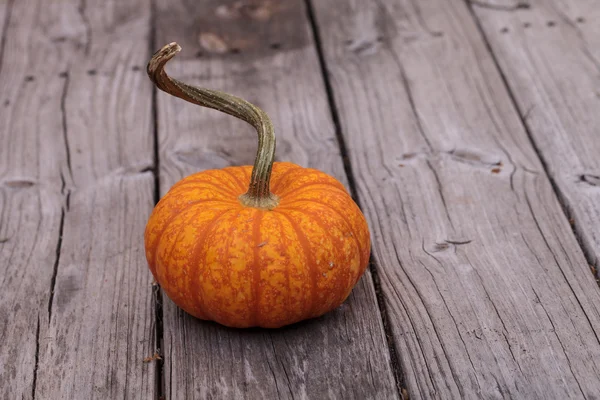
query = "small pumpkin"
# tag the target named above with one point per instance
(268, 245)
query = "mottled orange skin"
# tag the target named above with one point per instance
(242, 266)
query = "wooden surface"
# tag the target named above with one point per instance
(467, 130)
(76, 308)
(550, 57)
(31, 205)
(489, 293)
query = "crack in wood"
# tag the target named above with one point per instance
(63, 110)
(282, 365)
(470, 157)
(37, 358)
(88, 28)
(458, 242)
(63, 212)
(56, 262)
(521, 5)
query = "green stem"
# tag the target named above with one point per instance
(259, 194)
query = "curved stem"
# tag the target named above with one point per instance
(259, 194)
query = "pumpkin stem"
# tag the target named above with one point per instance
(259, 194)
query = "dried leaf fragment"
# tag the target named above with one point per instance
(153, 357)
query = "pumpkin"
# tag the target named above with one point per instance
(265, 245)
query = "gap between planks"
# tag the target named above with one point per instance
(157, 291)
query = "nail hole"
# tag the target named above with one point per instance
(6, 103)
(136, 68)
(551, 23)
(504, 30)
(590, 179)
(380, 39)
(526, 25)
(234, 50)
(199, 54)
(441, 246)
(60, 39)
(581, 20)
(29, 78)
(63, 74)
(348, 42)
(92, 72)
(275, 46)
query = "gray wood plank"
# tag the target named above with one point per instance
(263, 52)
(30, 200)
(77, 309)
(488, 292)
(550, 56)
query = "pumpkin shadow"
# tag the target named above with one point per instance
(328, 321)
(301, 325)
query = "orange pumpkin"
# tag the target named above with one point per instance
(267, 245)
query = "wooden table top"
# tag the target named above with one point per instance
(468, 133)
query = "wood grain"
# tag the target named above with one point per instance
(549, 54)
(30, 201)
(77, 309)
(262, 51)
(488, 292)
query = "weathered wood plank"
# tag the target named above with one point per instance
(30, 201)
(487, 289)
(550, 56)
(77, 137)
(262, 51)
